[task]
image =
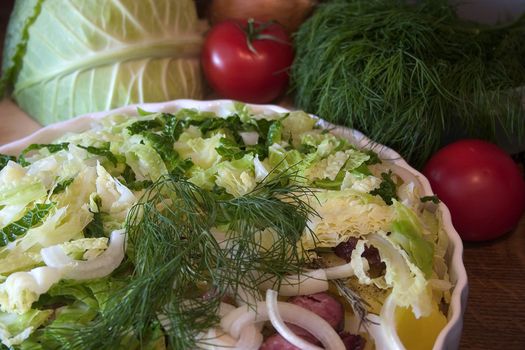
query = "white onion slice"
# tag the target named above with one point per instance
(340, 271)
(243, 316)
(250, 339)
(215, 339)
(306, 319)
(383, 328)
(239, 319)
(250, 138)
(225, 309)
(306, 283)
(100, 266)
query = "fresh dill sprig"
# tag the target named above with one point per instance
(178, 260)
(276, 210)
(406, 74)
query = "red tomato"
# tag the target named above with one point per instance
(247, 61)
(481, 185)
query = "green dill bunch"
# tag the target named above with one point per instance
(405, 74)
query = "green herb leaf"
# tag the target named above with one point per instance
(52, 148)
(61, 186)
(173, 127)
(104, 152)
(144, 125)
(20, 227)
(434, 199)
(229, 149)
(4, 159)
(274, 133)
(387, 188)
(131, 182)
(95, 228)
(374, 157)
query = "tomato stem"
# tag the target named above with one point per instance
(254, 32)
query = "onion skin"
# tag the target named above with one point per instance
(289, 13)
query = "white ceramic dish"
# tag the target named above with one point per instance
(449, 337)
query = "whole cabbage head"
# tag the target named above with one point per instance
(63, 58)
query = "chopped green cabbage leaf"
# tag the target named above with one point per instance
(407, 231)
(237, 177)
(295, 124)
(14, 328)
(344, 214)
(202, 151)
(409, 286)
(21, 289)
(20, 227)
(17, 190)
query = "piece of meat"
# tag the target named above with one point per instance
(277, 342)
(352, 341)
(324, 305)
(344, 249)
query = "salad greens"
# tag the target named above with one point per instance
(60, 58)
(213, 206)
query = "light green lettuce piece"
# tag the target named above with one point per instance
(85, 248)
(204, 178)
(116, 198)
(14, 328)
(324, 143)
(59, 166)
(409, 286)
(280, 160)
(295, 124)
(202, 151)
(17, 260)
(407, 232)
(66, 221)
(17, 190)
(237, 177)
(360, 182)
(145, 162)
(329, 167)
(344, 214)
(82, 57)
(261, 168)
(21, 289)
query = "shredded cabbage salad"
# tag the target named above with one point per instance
(369, 240)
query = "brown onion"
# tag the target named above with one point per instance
(289, 13)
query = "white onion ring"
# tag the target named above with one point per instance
(250, 339)
(306, 319)
(215, 339)
(100, 266)
(235, 322)
(339, 272)
(306, 283)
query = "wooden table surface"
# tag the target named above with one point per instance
(495, 314)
